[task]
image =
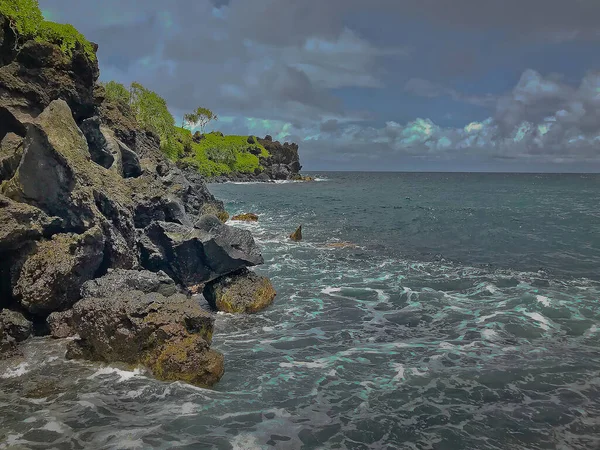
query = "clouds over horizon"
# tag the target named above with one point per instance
(365, 81)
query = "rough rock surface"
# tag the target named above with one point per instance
(14, 325)
(297, 235)
(246, 217)
(60, 324)
(51, 277)
(170, 336)
(241, 292)
(196, 255)
(120, 280)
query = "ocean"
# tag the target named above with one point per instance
(421, 311)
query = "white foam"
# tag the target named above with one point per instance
(543, 300)
(54, 426)
(399, 368)
(484, 318)
(124, 375)
(541, 320)
(245, 442)
(16, 372)
(331, 290)
(592, 330)
(309, 365)
(447, 346)
(489, 334)
(418, 373)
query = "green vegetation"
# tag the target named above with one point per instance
(27, 20)
(218, 155)
(211, 154)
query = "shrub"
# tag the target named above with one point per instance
(117, 93)
(29, 23)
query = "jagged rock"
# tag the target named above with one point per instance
(15, 325)
(39, 72)
(246, 217)
(279, 172)
(251, 140)
(129, 280)
(56, 173)
(196, 255)
(241, 292)
(100, 151)
(171, 336)
(130, 162)
(297, 235)
(21, 223)
(268, 138)
(11, 151)
(51, 276)
(60, 324)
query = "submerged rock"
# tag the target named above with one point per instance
(246, 217)
(171, 336)
(297, 235)
(242, 292)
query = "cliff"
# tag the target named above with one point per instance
(100, 233)
(221, 158)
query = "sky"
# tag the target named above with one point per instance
(400, 85)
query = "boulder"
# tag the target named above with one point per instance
(39, 73)
(195, 255)
(51, 276)
(15, 325)
(11, 151)
(21, 223)
(241, 292)
(120, 280)
(60, 324)
(171, 336)
(297, 235)
(56, 172)
(131, 167)
(100, 151)
(279, 172)
(246, 217)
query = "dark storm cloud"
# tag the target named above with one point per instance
(307, 70)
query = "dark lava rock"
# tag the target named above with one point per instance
(120, 280)
(51, 276)
(241, 292)
(170, 336)
(195, 255)
(15, 325)
(60, 324)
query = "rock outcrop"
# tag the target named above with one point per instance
(283, 163)
(241, 292)
(297, 235)
(171, 336)
(246, 217)
(99, 231)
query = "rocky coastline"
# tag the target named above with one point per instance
(101, 235)
(283, 164)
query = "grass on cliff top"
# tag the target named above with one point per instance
(27, 20)
(219, 155)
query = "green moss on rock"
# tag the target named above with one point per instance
(28, 21)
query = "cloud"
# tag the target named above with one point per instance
(429, 89)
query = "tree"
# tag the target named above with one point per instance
(205, 116)
(190, 119)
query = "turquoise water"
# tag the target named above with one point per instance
(463, 314)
